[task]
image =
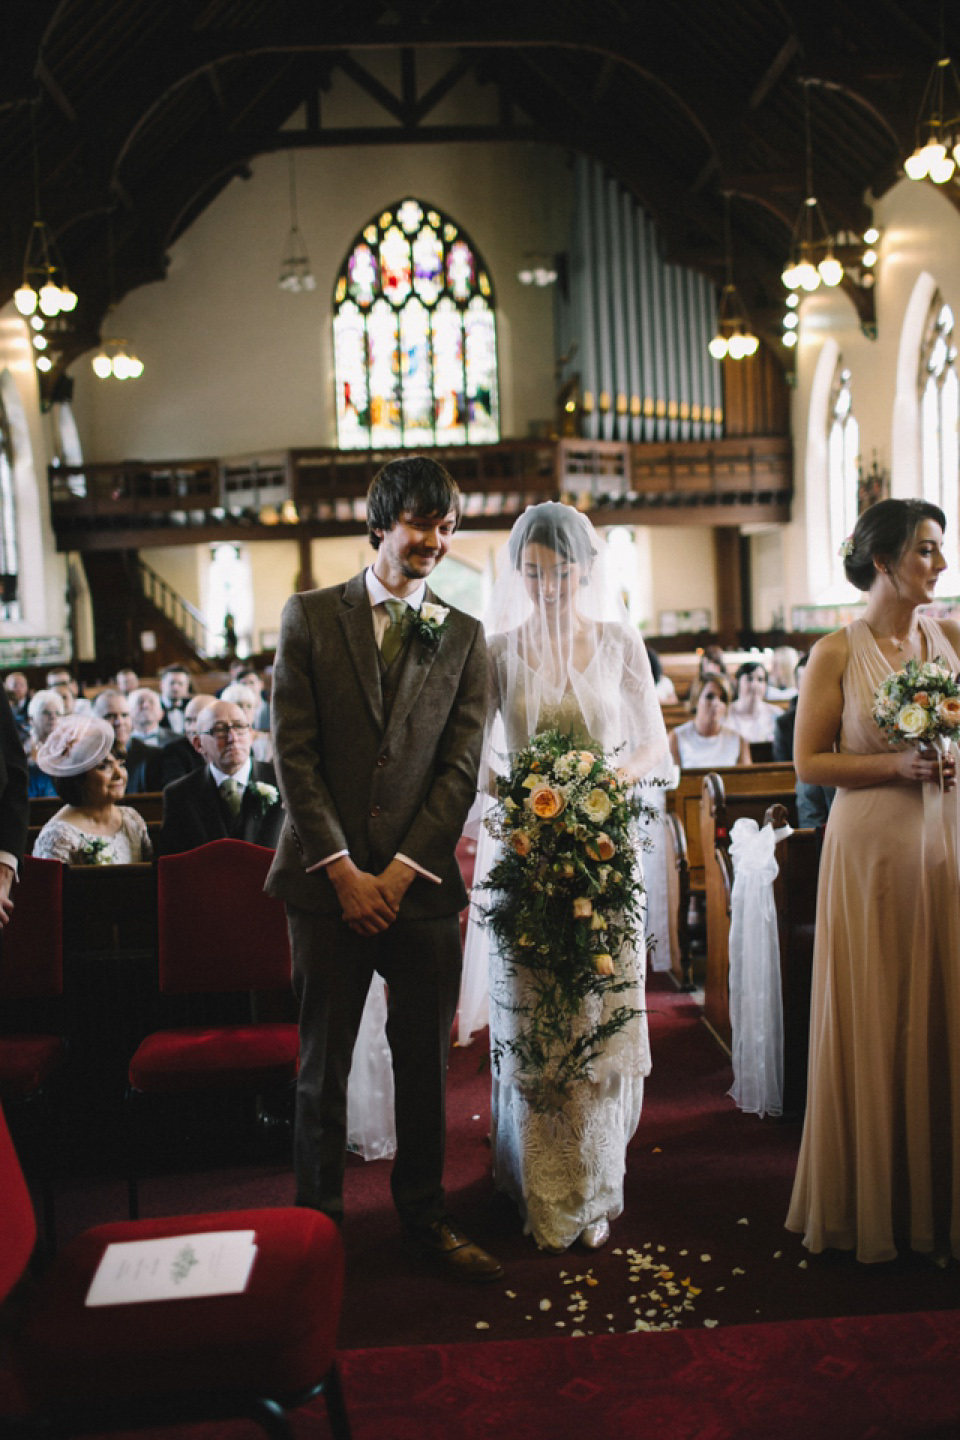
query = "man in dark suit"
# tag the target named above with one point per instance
(14, 807)
(149, 767)
(232, 797)
(379, 698)
(175, 691)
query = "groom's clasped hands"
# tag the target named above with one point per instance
(370, 903)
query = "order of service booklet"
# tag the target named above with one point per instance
(174, 1267)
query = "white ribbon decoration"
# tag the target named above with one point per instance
(371, 1131)
(756, 1006)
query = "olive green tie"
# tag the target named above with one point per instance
(232, 798)
(392, 642)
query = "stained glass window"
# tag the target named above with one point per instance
(415, 335)
(939, 415)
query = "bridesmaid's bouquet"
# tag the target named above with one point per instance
(567, 905)
(919, 705)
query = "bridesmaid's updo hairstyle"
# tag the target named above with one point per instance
(883, 532)
(559, 527)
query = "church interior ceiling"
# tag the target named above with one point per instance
(121, 121)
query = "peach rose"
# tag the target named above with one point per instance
(603, 964)
(949, 710)
(545, 802)
(521, 843)
(922, 698)
(601, 847)
(582, 908)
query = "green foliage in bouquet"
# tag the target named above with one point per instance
(566, 907)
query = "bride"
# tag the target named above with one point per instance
(565, 657)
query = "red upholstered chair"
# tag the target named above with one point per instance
(255, 1354)
(217, 932)
(31, 970)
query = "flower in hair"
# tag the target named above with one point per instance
(846, 549)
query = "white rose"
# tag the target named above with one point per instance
(433, 614)
(912, 721)
(596, 805)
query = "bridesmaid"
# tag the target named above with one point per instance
(879, 1167)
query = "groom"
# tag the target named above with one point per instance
(378, 707)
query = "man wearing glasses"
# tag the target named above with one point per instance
(231, 797)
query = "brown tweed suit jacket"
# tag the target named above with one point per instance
(355, 779)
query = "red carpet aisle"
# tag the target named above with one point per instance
(701, 1242)
(883, 1378)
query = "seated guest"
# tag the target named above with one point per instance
(782, 684)
(191, 714)
(242, 695)
(251, 677)
(76, 704)
(146, 711)
(87, 768)
(712, 662)
(232, 797)
(175, 689)
(44, 710)
(750, 714)
(149, 767)
(813, 801)
(127, 680)
(664, 686)
(18, 693)
(706, 741)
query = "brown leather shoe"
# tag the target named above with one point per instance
(447, 1246)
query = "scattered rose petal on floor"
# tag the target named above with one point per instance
(711, 1324)
(743, 1222)
(777, 1254)
(706, 1259)
(510, 1294)
(737, 1271)
(577, 1332)
(656, 1150)
(482, 1325)
(592, 1280)
(802, 1265)
(546, 1304)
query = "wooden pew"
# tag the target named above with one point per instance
(685, 867)
(721, 806)
(795, 895)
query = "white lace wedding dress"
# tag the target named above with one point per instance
(565, 1167)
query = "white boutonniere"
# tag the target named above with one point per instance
(428, 624)
(265, 795)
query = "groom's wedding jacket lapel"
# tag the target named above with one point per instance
(354, 779)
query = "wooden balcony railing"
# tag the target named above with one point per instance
(321, 491)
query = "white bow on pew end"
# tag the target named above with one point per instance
(756, 1009)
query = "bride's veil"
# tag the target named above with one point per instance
(563, 653)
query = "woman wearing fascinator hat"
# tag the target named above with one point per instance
(565, 659)
(90, 777)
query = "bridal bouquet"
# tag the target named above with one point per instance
(566, 906)
(919, 704)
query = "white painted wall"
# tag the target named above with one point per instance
(235, 365)
(919, 251)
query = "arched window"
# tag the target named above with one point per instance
(939, 413)
(415, 336)
(9, 556)
(843, 448)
